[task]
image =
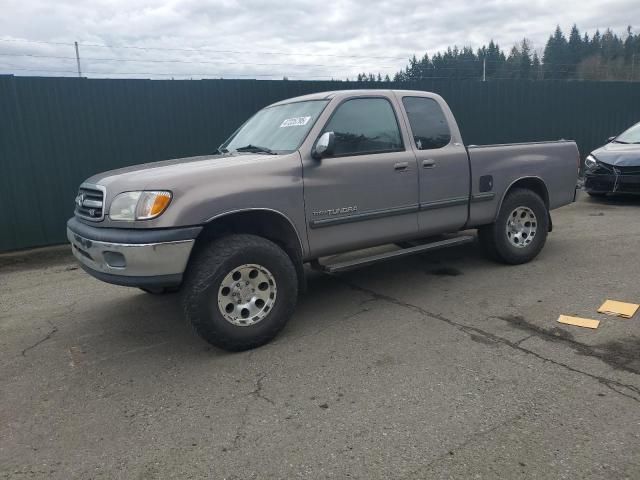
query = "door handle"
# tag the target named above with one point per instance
(428, 163)
(401, 166)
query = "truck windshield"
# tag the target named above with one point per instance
(281, 128)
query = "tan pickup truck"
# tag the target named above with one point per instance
(303, 179)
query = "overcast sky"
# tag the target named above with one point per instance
(296, 38)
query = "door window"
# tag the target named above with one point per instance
(428, 123)
(365, 125)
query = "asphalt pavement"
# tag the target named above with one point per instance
(443, 365)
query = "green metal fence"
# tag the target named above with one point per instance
(55, 132)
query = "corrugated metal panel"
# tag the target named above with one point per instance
(55, 132)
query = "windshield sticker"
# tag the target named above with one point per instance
(295, 122)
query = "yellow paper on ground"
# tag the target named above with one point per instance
(579, 322)
(620, 309)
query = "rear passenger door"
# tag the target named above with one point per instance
(443, 165)
(366, 193)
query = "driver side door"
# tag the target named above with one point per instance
(366, 192)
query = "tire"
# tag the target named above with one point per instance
(500, 244)
(214, 269)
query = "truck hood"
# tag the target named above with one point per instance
(619, 154)
(167, 174)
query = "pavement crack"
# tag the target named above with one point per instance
(475, 436)
(614, 385)
(257, 391)
(620, 355)
(244, 419)
(240, 431)
(51, 333)
(522, 340)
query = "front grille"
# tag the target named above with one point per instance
(90, 202)
(628, 170)
(603, 184)
(628, 187)
(604, 168)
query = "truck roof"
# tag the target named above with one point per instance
(338, 93)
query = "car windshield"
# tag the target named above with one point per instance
(276, 129)
(631, 135)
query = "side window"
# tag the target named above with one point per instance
(364, 125)
(428, 123)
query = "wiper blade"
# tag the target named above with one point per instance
(256, 149)
(619, 141)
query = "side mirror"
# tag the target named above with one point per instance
(324, 146)
(610, 139)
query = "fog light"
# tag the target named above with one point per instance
(115, 259)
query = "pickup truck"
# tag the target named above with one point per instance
(305, 179)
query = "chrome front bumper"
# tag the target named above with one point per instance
(132, 264)
(145, 260)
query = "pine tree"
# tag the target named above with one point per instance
(525, 59)
(536, 67)
(596, 57)
(574, 52)
(512, 68)
(554, 58)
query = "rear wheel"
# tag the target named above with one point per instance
(240, 291)
(520, 230)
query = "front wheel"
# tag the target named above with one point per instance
(240, 291)
(520, 230)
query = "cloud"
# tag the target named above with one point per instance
(272, 39)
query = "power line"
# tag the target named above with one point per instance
(153, 60)
(174, 49)
(217, 75)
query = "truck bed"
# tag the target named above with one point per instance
(495, 168)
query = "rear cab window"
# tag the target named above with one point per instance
(429, 126)
(365, 125)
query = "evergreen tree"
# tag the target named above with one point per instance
(555, 56)
(525, 59)
(596, 57)
(536, 67)
(596, 43)
(574, 52)
(628, 46)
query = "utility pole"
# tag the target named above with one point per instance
(484, 69)
(78, 59)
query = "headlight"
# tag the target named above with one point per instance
(590, 162)
(139, 205)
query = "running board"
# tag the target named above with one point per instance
(381, 257)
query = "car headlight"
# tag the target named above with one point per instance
(590, 163)
(132, 206)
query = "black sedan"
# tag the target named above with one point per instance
(615, 167)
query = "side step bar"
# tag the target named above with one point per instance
(381, 257)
